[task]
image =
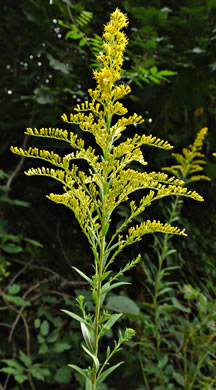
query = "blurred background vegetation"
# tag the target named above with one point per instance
(47, 56)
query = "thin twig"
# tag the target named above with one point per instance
(6, 381)
(18, 274)
(21, 161)
(28, 351)
(21, 310)
(65, 281)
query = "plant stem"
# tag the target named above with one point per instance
(99, 273)
(161, 257)
(97, 309)
(143, 372)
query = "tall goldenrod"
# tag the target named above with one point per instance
(93, 196)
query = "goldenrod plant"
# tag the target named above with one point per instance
(189, 163)
(94, 195)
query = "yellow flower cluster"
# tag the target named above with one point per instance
(110, 180)
(114, 45)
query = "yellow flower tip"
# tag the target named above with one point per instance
(64, 117)
(119, 19)
(183, 233)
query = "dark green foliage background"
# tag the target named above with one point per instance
(44, 75)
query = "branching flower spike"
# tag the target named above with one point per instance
(110, 180)
(190, 161)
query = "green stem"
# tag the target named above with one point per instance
(97, 309)
(143, 372)
(161, 257)
(185, 367)
(99, 270)
(157, 317)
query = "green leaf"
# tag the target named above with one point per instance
(84, 276)
(39, 372)
(9, 370)
(63, 375)
(104, 375)
(53, 336)
(35, 371)
(78, 369)
(162, 362)
(179, 306)
(114, 318)
(14, 363)
(86, 335)
(179, 379)
(167, 73)
(154, 79)
(109, 324)
(20, 378)
(3, 175)
(48, 99)
(11, 248)
(34, 242)
(164, 290)
(45, 327)
(154, 70)
(16, 300)
(106, 288)
(144, 71)
(73, 34)
(11, 237)
(122, 304)
(14, 289)
(63, 24)
(43, 349)
(95, 359)
(40, 339)
(88, 384)
(61, 347)
(105, 275)
(75, 317)
(145, 79)
(21, 203)
(82, 42)
(25, 359)
(57, 65)
(105, 229)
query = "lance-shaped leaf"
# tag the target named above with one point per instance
(76, 317)
(95, 359)
(109, 324)
(84, 276)
(88, 384)
(107, 287)
(81, 371)
(104, 374)
(87, 336)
